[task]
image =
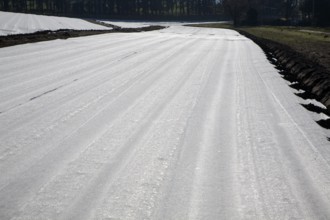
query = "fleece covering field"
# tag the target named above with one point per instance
(179, 123)
(19, 23)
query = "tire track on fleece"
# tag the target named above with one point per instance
(133, 189)
(35, 176)
(22, 90)
(277, 174)
(59, 119)
(310, 186)
(87, 76)
(43, 50)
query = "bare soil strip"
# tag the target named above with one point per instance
(12, 40)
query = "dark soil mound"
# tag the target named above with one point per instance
(12, 40)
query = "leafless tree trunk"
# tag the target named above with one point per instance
(236, 9)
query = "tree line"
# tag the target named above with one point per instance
(279, 12)
(113, 8)
(242, 12)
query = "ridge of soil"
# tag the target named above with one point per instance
(310, 75)
(12, 40)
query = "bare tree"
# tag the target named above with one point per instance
(6, 4)
(289, 7)
(236, 9)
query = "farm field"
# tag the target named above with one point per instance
(178, 123)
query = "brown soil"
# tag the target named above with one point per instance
(319, 53)
(11, 40)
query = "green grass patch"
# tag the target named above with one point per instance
(284, 35)
(289, 35)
